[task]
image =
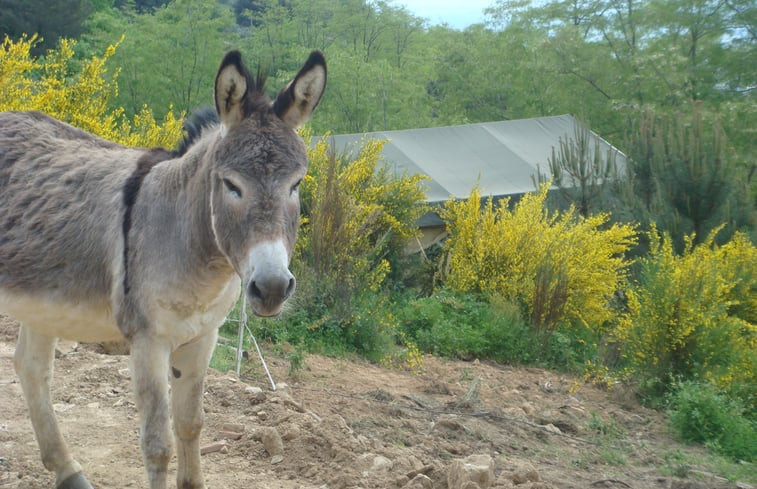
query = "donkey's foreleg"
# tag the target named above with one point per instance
(33, 362)
(149, 373)
(188, 365)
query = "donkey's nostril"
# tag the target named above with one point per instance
(255, 291)
(290, 288)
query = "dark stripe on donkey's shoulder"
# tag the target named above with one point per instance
(130, 192)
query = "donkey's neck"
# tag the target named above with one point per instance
(187, 182)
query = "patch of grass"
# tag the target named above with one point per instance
(296, 362)
(678, 463)
(610, 437)
(224, 358)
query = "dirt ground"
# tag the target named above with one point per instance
(337, 424)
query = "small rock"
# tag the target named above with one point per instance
(526, 473)
(277, 459)
(271, 441)
(514, 412)
(255, 394)
(229, 435)
(552, 429)
(291, 433)
(420, 481)
(476, 469)
(381, 464)
(64, 347)
(262, 415)
(61, 407)
(234, 427)
(470, 485)
(425, 470)
(213, 447)
(450, 423)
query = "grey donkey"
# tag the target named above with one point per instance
(100, 242)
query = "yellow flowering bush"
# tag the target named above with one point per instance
(559, 267)
(357, 216)
(694, 315)
(77, 95)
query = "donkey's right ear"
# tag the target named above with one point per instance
(232, 83)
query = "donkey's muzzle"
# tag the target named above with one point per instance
(267, 294)
(269, 283)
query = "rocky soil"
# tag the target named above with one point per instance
(338, 424)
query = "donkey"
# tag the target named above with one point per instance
(100, 242)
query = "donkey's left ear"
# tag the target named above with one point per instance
(296, 103)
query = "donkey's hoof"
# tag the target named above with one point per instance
(76, 481)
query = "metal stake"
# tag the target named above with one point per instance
(240, 341)
(240, 333)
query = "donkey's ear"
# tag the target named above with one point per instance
(232, 83)
(298, 100)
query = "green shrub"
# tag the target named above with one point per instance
(466, 326)
(702, 414)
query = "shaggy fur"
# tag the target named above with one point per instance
(99, 241)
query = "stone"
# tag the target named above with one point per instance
(476, 469)
(233, 427)
(525, 473)
(381, 464)
(64, 347)
(271, 440)
(255, 394)
(213, 447)
(229, 435)
(420, 481)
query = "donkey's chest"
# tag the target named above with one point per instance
(182, 319)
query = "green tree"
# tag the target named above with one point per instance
(168, 57)
(580, 170)
(50, 19)
(680, 177)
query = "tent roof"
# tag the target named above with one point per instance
(502, 157)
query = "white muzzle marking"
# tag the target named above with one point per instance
(268, 281)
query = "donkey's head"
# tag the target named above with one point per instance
(259, 163)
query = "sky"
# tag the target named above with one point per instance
(458, 14)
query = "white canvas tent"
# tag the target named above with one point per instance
(503, 158)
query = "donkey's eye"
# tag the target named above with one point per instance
(296, 186)
(232, 188)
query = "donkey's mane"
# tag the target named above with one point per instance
(194, 125)
(206, 117)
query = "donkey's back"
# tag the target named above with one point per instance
(60, 223)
